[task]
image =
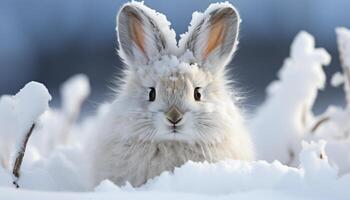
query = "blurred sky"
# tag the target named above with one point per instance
(49, 41)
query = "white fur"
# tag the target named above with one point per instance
(135, 142)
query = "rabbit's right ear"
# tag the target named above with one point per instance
(212, 37)
(141, 40)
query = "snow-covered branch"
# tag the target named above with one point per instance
(343, 39)
(20, 155)
(286, 115)
(18, 115)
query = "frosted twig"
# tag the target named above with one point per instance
(318, 124)
(20, 155)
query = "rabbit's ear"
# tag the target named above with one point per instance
(212, 38)
(140, 38)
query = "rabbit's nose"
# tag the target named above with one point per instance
(174, 115)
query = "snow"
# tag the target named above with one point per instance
(337, 79)
(301, 155)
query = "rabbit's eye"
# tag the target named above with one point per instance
(197, 94)
(152, 94)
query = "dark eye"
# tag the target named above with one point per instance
(152, 94)
(197, 94)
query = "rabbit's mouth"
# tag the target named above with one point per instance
(176, 128)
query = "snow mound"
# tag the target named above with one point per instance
(315, 179)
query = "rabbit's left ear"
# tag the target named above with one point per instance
(212, 38)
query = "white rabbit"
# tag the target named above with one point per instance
(175, 104)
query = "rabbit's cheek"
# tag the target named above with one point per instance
(160, 121)
(209, 107)
(155, 106)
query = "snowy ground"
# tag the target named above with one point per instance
(267, 194)
(227, 179)
(300, 155)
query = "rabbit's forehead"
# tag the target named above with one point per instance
(166, 66)
(172, 70)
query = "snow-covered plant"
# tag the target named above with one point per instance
(285, 116)
(334, 124)
(343, 39)
(18, 117)
(337, 115)
(55, 127)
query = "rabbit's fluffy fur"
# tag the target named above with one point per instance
(137, 141)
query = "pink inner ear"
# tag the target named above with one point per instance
(216, 36)
(137, 32)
